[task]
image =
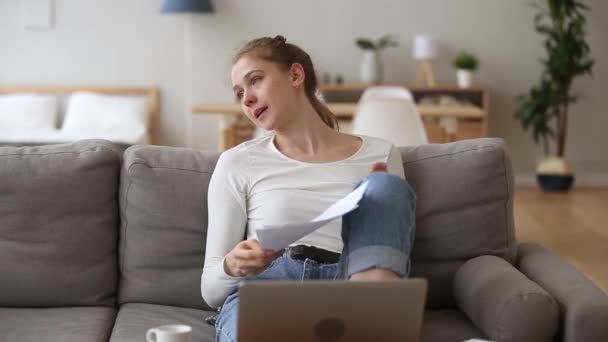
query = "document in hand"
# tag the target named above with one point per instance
(276, 237)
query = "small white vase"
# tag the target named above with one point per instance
(465, 78)
(371, 67)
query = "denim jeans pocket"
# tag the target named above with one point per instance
(272, 265)
(266, 272)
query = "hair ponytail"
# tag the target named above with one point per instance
(328, 117)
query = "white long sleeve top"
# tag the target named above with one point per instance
(255, 184)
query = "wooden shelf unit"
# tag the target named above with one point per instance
(471, 123)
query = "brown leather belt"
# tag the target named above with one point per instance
(303, 252)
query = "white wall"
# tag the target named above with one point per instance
(131, 43)
(499, 32)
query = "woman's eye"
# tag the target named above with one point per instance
(239, 95)
(255, 79)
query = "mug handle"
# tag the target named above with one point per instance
(151, 335)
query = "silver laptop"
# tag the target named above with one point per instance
(315, 310)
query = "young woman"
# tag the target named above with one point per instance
(292, 175)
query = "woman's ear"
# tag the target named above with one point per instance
(297, 75)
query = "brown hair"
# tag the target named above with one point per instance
(284, 54)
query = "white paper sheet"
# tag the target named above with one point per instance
(276, 237)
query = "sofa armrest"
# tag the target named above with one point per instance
(503, 303)
(583, 306)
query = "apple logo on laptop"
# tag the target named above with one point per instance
(329, 329)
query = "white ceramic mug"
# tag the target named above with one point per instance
(170, 333)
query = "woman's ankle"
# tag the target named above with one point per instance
(375, 274)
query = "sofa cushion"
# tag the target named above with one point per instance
(163, 205)
(69, 324)
(163, 208)
(134, 320)
(504, 303)
(58, 224)
(440, 276)
(464, 207)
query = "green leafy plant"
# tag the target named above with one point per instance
(544, 109)
(382, 43)
(466, 61)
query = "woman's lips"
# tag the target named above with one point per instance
(258, 112)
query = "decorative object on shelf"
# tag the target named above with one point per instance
(465, 63)
(326, 78)
(545, 108)
(339, 79)
(425, 50)
(371, 70)
(181, 6)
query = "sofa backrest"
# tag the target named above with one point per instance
(58, 225)
(163, 207)
(464, 209)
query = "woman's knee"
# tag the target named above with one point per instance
(383, 184)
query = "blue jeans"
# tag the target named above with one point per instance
(379, 233)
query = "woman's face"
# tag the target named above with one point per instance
(265, 92)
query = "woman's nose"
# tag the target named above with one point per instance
(249, 99)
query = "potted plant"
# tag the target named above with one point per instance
(544, 109)
(465, 63)
(371, 65)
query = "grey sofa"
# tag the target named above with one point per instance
(101, 244)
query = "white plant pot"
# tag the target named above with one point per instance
(371, 67)
(555, 174)
(465, 78)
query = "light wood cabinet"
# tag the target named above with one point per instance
(467, 107)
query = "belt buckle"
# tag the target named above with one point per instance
(302, 252)
(296, 252)
(316, 255)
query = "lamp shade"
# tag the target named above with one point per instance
(425, 47)
(182, 6)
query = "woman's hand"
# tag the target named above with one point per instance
(379, 167)
(248, 258)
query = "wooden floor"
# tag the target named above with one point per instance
(573, 225)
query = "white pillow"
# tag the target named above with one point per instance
(95, 115)
(28, 112)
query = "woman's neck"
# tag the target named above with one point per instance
(307, 140)
(307, 134)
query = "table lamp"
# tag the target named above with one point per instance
(425, 49)
(182, 6)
